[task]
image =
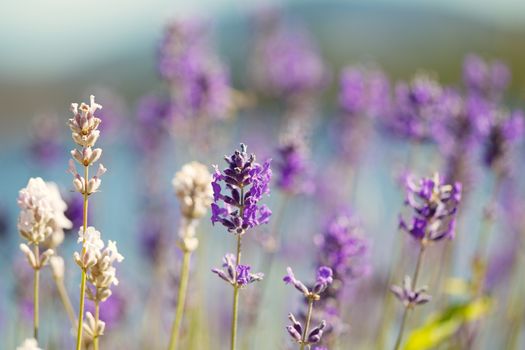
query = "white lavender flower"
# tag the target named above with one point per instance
(84, 124)
(92, 247)
(102, 274)
(192, 186)
(93, 328)
(29, 344)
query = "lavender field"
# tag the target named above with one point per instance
(311, 176)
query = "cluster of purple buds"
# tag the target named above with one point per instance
(364, 91)
(199, 82)
(409, 295)
(292, 165)
(296, 331)
(236, 275)
(343, 247)
(297, 67)
(323, 280)
(505, 130)
(434, 208)
(417, 108)
(236, 206)
(486, 79)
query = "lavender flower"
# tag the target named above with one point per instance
(234, 274)
(292, 165)
(505, 130)
(435, 206)
(297, 68)
(410, 296)
(154, 115)
(247, 182)
(199, 82)
(343, 248)
(297, 332)
(417, 108)
(487, 79)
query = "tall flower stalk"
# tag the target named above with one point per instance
(237, 208)
(434, 208)
(84, 131)
(192, 186)
(41, 218)
(302, 335)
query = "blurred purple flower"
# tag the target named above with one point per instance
(287, 63)
(154, 115)
(410, 296)
(416, 109)
(112, 311)
(74, 211)
(247, 182)
(239, 275)
(434, 209)
(294, 172)
(342, 247)
(487, 79)
(45, 146)
(199, 82)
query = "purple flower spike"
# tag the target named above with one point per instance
(410, 296)
(293, 167)
(435, 206)
(240, 275)
(315, 334)
(295, 329)
(324, 279)
(290, 278)
(486, 79)
(245, 183)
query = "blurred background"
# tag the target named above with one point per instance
(58, 52)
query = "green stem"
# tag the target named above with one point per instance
(65, 300)
(83, 277)
(35, 293)
(414, 282)
(97, 316)
(308, 320)
(183, 286)
(235, 296)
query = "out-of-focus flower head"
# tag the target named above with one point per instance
(286, 62)
(409, 295)
(42, 210)
(154, 115)
(323, 279)
(417, 108)
(236, 275)
(29, 344)
(293, 166)
(343, 248)
(505, 130)
(192, 186)
(434, 207)
(45, 145)
(245, 182)
(199, 82)
(484, 78)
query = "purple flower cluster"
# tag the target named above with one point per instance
(364, 92)
(417, 108)
(245, 183)
(154, 115)
(295, 330)
(486, 79)
(296, 68)
(323, 279)
(292, 165)
(343, 248)
(234, 274)
(408, 295)
(434, 208)
(199, 81)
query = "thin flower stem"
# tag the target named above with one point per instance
(414, 282)
(97, 316)
(83, 277)
(308, 320)
(62, 293)
(35, 293)
(235, 296)
(183, 286)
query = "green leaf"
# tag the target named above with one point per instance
(441, 326)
